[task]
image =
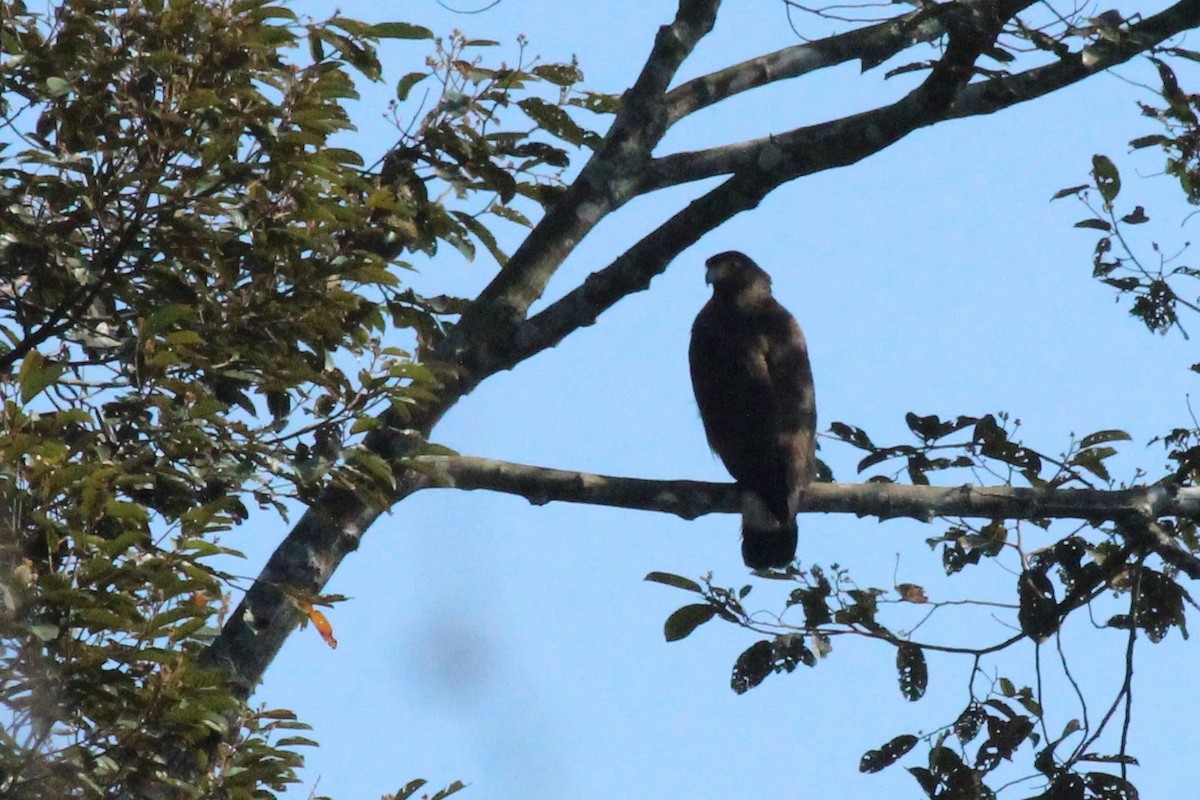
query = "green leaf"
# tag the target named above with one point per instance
(815, 602)
(399, 30)
(680, 624)
(1110, 787)
(353, 27)
(405, 84)
(678, 581)
(914, 675)
(343, 156)
(294, 741)
(168, 617)
(852, 435)
(483, 234)
(890, 753)
(1003, 740)
(1113, 759)
(554, 120)
(163, 318)
(36, 374)
(453, 788)
(56, 86)
(374, 466)
(1177, 99)
(462, 244)
(510, 214)
(1135, 217)
(1108, 180)
(279, 404)
(559, 74)
(753, 666)
(410, 788)
(47, 633)
(969, 722)
(541, 152)
(364, 60)
(1123, 284)
(120, 509)
(1092, 460)
(284, 714)
(183, 337)
(1100, 437)
(1038, 614)
(364, 423)
(926, 778)
(1098, 224)
(1150, 141)
(1070, 190)
(272, 12)
(597, 103)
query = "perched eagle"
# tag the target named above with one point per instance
(754, 386)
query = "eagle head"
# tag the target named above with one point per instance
(732, 271)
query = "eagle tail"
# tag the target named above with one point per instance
(767, 541)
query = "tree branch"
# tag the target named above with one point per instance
(691, 499)
(822, 146)
(636, 267)
(1135, 509)
(606, 183)
(301, 565)
(496, 334)
(751, 182)
(871, 45)
(333, 526)
(993, 95)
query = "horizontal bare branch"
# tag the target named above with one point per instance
(1136, 509)
(692, 499)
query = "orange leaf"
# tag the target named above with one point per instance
(319, 622)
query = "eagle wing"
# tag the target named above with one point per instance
(753, 385)
(792, 388)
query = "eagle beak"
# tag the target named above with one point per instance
(710, 274)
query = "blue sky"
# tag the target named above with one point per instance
(518, 649)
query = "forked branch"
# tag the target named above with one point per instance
(804, 150)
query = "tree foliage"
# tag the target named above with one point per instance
(197, 285)
(203, 309)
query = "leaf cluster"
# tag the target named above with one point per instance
(483, 134)
(989, 449)
(967, 753)
(1007, 718)
(196, 286)
(1160, 283)
(831, 607)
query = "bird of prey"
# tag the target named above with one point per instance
(754, 387)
